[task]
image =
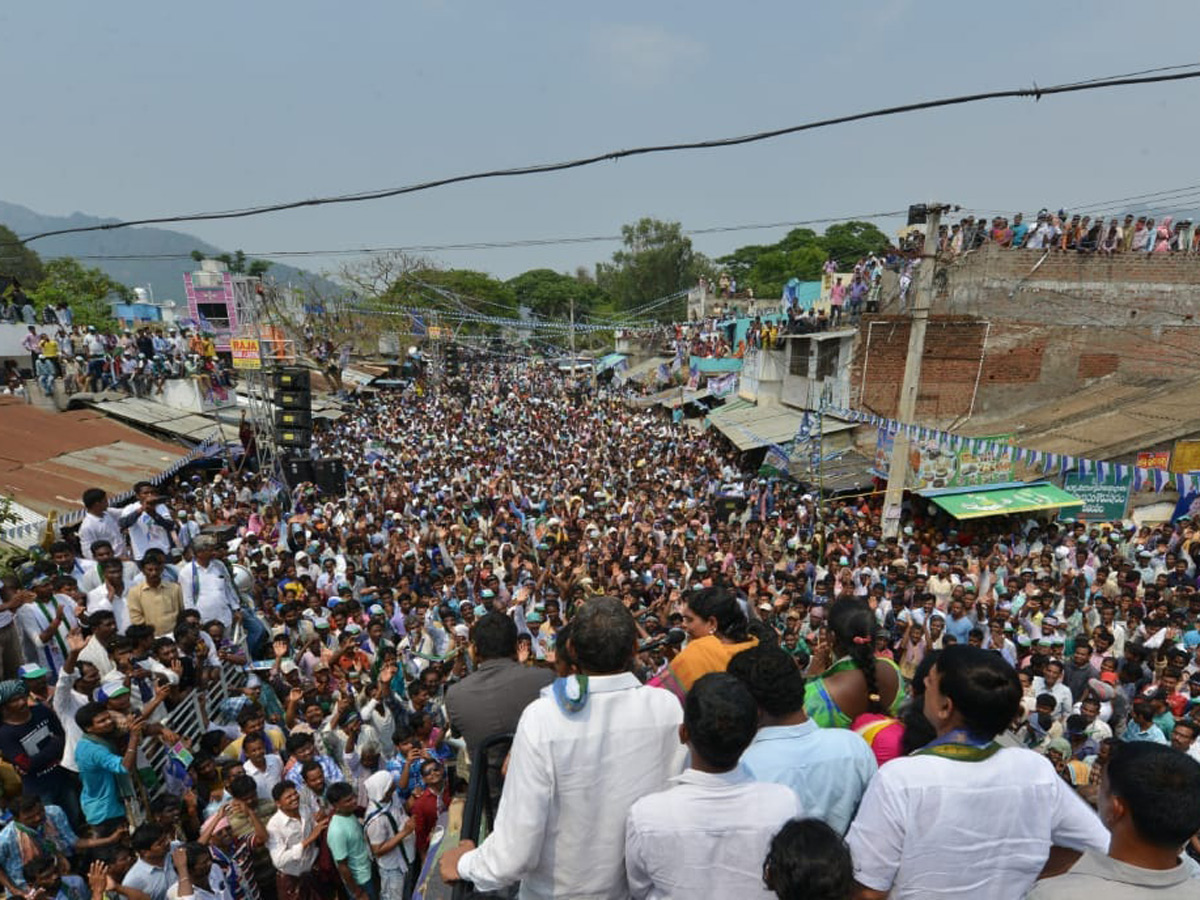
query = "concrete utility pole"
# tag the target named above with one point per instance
(572, 340)
(909, 389)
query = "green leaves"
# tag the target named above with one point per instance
(766, 268)
(87, 290)
(657, 260)
(18, 261)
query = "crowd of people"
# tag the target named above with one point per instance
(1081, 233)
(135, 362)
(712, 691)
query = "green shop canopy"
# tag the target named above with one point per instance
(975, 503)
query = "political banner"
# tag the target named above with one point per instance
(245, 352)
(1104, 499)
(932, 465)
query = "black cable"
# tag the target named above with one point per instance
(502, 245)
(1037, 93)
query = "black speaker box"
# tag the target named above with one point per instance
(330, 475)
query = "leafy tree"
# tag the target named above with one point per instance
(238, 263)
(481, 292)
(765, 269)
(86, 290)
(657, 260)
(18, 261)
(848, 242)
(549, 293)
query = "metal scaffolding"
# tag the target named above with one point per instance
(270, 350)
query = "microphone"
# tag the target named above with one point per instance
(672, 638)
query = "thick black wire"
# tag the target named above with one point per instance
(1035, 92)
(503, 245)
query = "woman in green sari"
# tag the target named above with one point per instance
(852, 680)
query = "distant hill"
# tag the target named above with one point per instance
(165, 275)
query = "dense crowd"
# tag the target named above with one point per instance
(136, 362)
(713, 691)
(1081, 233)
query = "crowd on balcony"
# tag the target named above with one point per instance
(137, 362)
(715, 691)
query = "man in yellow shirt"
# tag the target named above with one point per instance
(50, 351)
(155, 602)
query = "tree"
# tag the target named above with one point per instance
(18, 261)
(238, 263)
(549, 293)
(453, 288)
(848, 242)
(766, 268)
(657, 260)
(87, 291)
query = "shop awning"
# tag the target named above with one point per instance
(749, 426)
(975, 503)
(604, 363)
(645, 368)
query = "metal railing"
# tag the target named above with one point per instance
(190, 720)
(479, 811)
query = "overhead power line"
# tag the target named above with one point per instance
(501, 245)
(1034, 92)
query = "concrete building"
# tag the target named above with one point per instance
(1080, 354)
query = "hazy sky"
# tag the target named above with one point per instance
(138, 108)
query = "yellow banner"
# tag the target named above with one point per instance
(246, 353)
(1186, 457)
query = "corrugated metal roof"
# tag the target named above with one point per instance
(639, 372)
(1115, 416)
(48, 459)
(756, 426)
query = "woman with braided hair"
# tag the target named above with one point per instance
(852, 680)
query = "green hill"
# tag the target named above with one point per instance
(164, 275)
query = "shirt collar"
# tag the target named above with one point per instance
(735, 776)
(785, 732)
(603, 684)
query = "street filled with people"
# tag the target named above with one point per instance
(717, 684)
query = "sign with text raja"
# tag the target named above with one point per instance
(245, 353)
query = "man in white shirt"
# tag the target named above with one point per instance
(827, 768)
(93, 577)
(1051, 683)
(708, 835)
(148, 520)
(572, 776)
(45, 621)
(104, 628)
(99, 524)
(1008, 800)
(111, 594)
(292, 836)
(206, 584)
(387, 828)
(265, 768)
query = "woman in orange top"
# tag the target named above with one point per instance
(716, 630)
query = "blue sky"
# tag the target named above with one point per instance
(135, 109)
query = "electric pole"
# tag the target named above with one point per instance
(907, 408)
(573, 340)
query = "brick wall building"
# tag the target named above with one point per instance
(1012, 330)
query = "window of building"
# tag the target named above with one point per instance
(798, 361)
(827, 359)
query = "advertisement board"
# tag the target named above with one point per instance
(1153, 459)
(1102, 501)
(932, 465)
(245, 353)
